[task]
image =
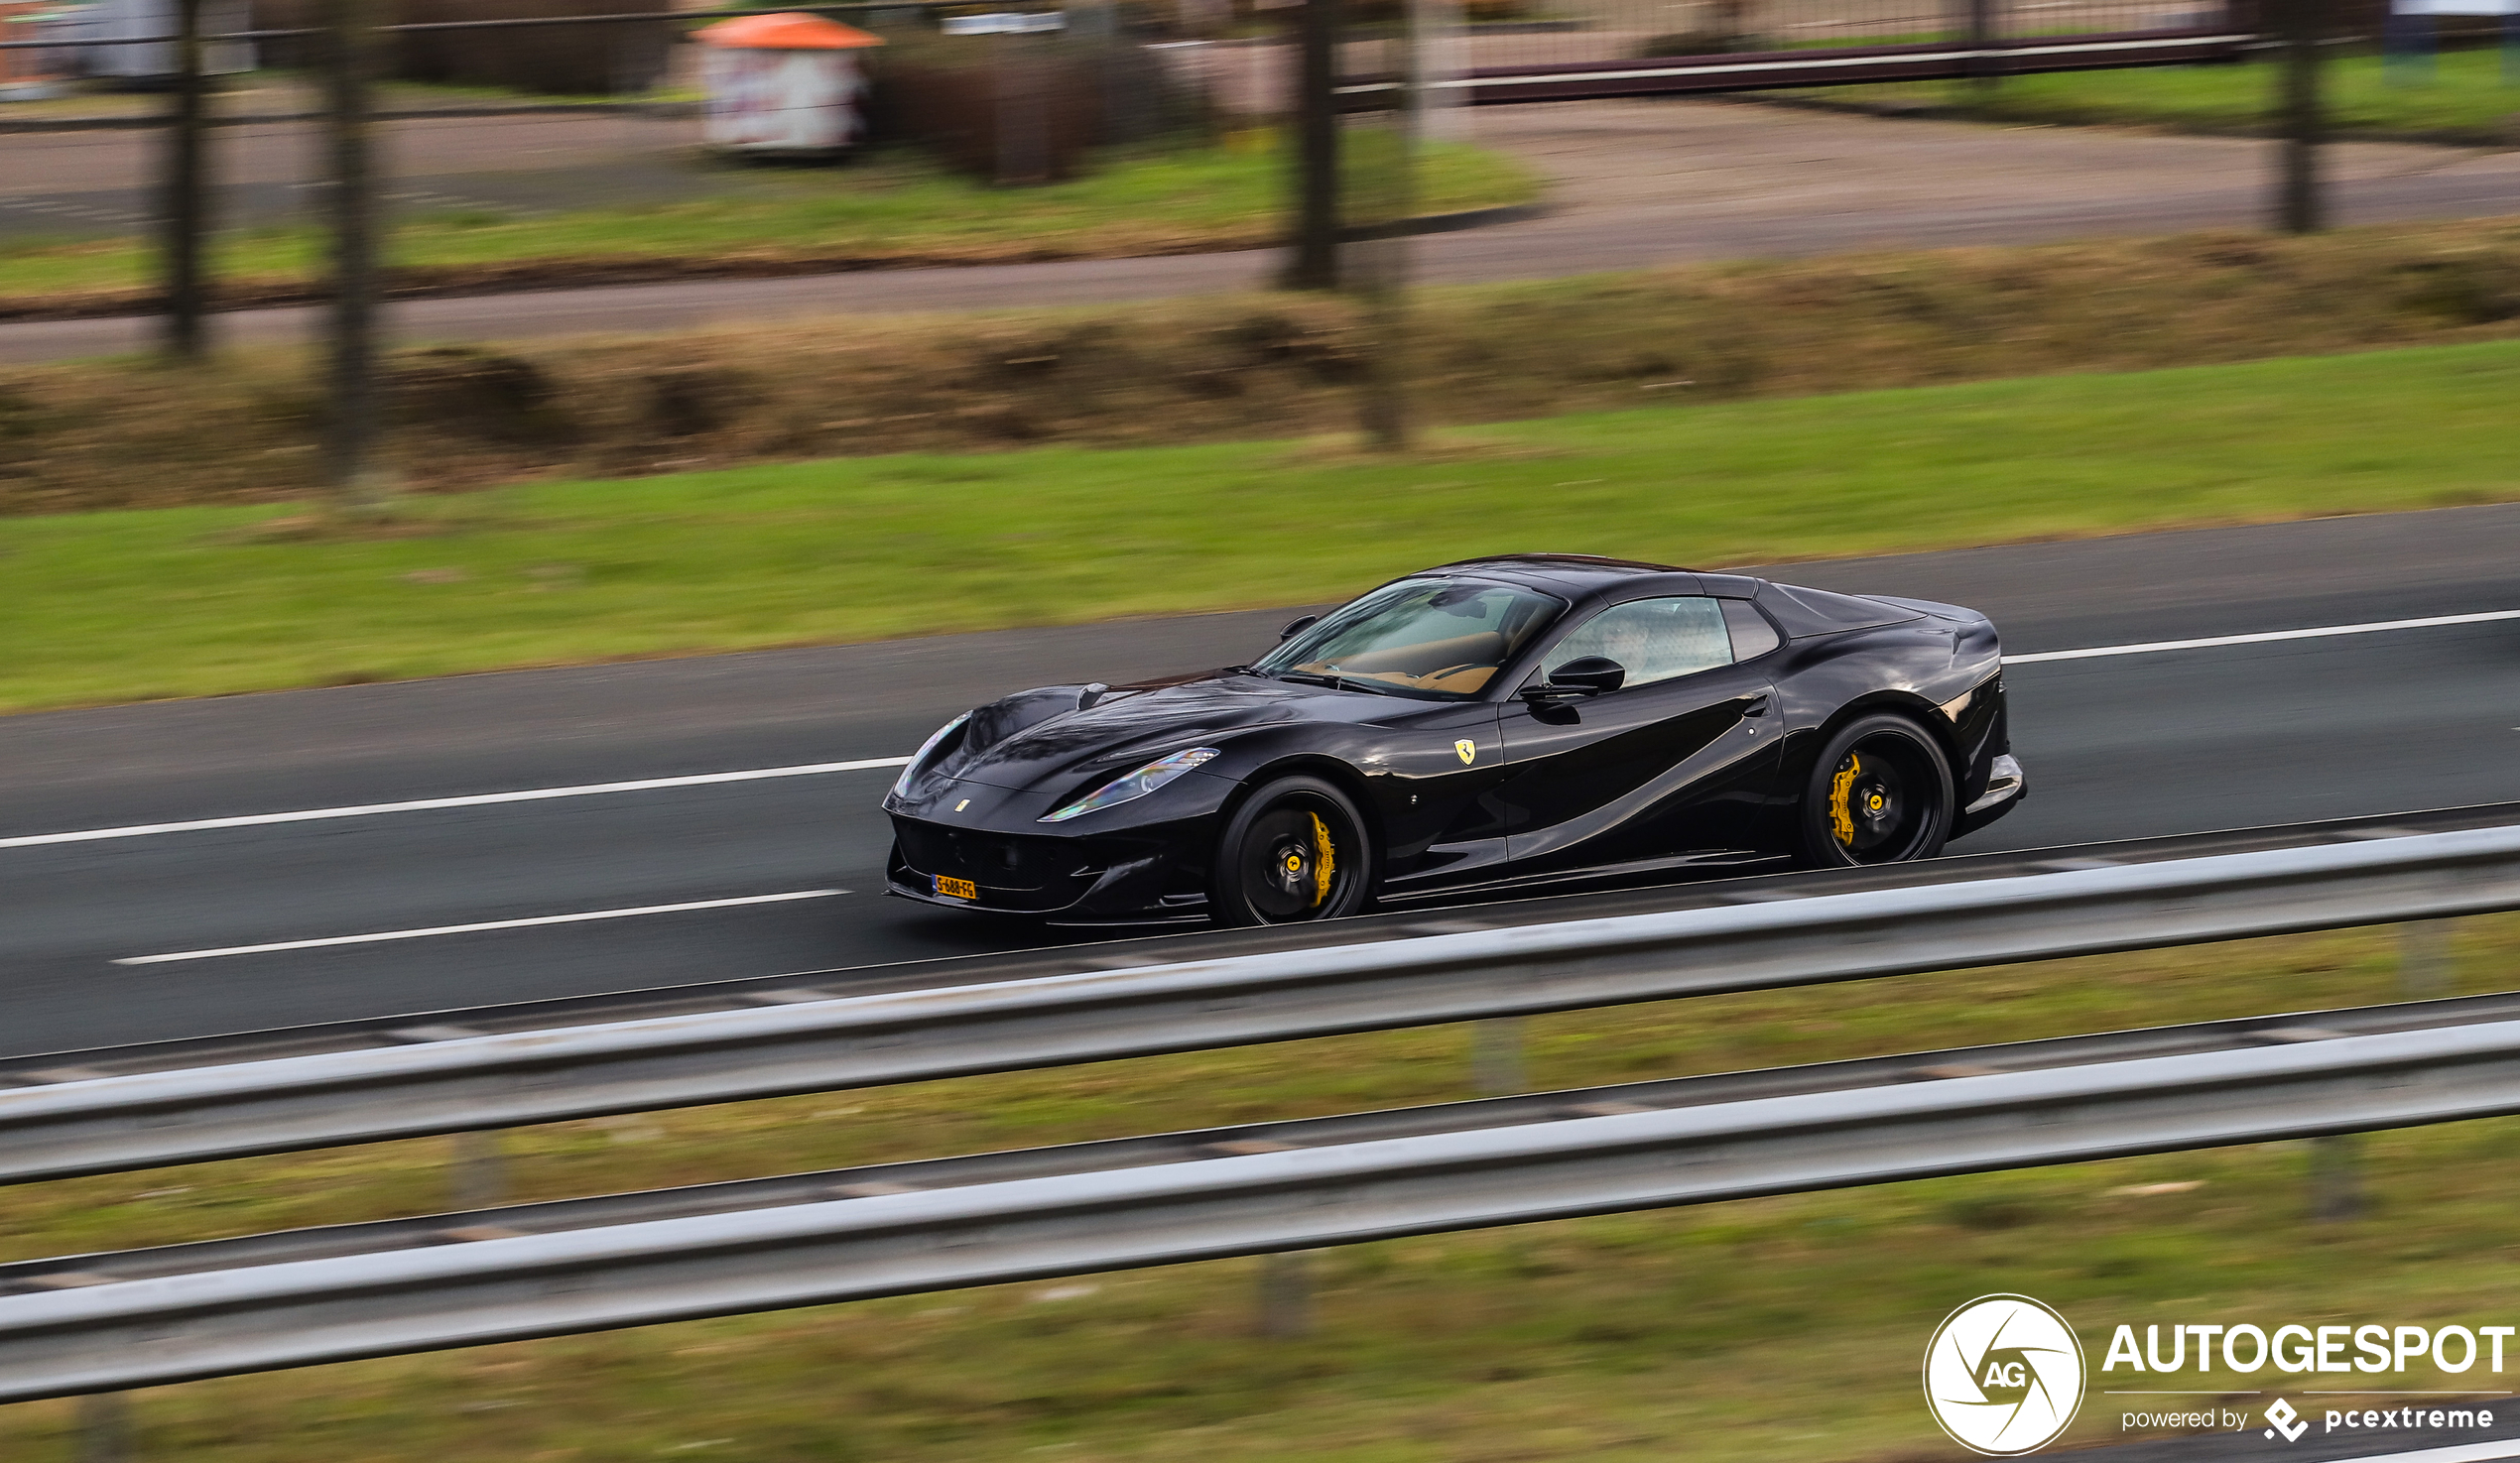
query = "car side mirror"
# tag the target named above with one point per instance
(1297, 627)
(1585, 675)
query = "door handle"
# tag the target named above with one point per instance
(1758, 706)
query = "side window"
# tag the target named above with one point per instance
(1651, 639)
(1752, 634)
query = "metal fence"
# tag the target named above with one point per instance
(230, 1310)
(471, 1082)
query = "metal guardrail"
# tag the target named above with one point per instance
(171, 1328)
(471, 1082)
(1132, 951)
(554, 1216)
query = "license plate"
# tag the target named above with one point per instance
(961, 888)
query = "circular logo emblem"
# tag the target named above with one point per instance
(2003, 1374)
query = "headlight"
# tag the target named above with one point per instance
(1136, 784)
(927, 748)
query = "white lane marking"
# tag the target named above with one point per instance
(869, 763)
(2197, 644)
(477, 800)
(364, 940)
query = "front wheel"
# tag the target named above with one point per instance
(1880, 793)
(1296, 850)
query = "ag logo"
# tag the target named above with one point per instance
(1468, 749)
(2003, 1374)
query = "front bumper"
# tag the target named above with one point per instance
(1044, 877)
(2007, 788)
(1145, 860)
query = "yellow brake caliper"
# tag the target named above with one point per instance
(1324, 860)
(1842, 820)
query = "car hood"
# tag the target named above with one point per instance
(1044, 736)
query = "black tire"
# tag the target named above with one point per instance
(1296, 850)
(1880, 793)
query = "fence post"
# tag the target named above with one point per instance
(180, 210)
(350, 435)
(2300, 208)
(1496, 1055)
(2336, 1178)
(1382, 280)
(2424, 966)
(1315, 262)
(104, 1428)
(1443, 55)
(1981, 39)
(480, 1179)
(1286, 1295)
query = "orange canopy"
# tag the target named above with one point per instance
(792, 30)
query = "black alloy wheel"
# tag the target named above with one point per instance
(1294, 850)
(1880, 793)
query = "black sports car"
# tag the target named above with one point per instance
(1498, 722)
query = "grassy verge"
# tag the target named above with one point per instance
(891, 207)
(127, 433)
(1783, 1328)
(2462, 97)
(116, 606)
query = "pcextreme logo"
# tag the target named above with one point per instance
(2003, 1374)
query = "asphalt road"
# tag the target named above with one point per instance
(1631, 185)
(2119, 747)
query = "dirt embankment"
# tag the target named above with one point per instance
(106, 435)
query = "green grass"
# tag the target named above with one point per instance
(115, 606)
(894, 204)
(1785, 1328)
(2464, 96)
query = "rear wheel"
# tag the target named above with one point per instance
(1880, 793)
(1295, 851)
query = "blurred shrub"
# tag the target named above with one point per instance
(1019, 109)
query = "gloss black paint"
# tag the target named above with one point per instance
(1701, 770)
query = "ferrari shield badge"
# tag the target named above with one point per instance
(1468, 749)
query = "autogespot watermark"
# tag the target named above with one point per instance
(2005, 1374)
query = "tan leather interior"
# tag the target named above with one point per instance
(1459, 666)
(1485, 648)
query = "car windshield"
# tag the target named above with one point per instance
(1431, 638)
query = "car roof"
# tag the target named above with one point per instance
(1559, 571)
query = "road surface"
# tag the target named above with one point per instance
(2122, 746)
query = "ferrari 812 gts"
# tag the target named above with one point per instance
(1492, 724)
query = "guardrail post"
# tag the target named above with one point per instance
(480, 1177)
(2336, 1178)
(1286, 1295)
(1496, 1055)
(2424, 966)
(104, 1428)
